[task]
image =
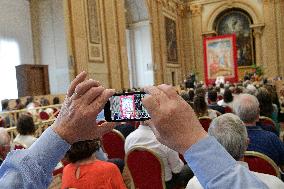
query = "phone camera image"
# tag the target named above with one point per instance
(127, 106)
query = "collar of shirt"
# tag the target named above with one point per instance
(255, 127)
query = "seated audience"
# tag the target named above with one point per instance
(212, 99)
(175, 126)
(247, 108)
(56, 100)
(231, 133)
(5, 108)
(185, 96)
(19, 105)
(86, 171)
(266, 107)
(30, 103)
(176, 173)
(125, 128)
(26, 129)
(227, 99)
(4, 144)
(191, 97)
(45, 102)
(201, 109)
(251, 89)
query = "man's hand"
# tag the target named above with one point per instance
(174, 122)
(77, 118)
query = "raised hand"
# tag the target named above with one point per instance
(77, 118)
(173, 120)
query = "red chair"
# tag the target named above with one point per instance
(146, 168)
(205, 122)
(267, 122)
(261, 163)
(113, 144)
(43, 115)
(228, 109)
(19, 146)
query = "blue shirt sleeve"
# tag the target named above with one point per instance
(32, 167)
(215, 168)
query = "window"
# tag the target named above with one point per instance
(9, 58)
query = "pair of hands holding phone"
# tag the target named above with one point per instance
(173, 121)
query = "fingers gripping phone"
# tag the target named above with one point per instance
(126, 107)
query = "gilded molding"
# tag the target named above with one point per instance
(196, 9)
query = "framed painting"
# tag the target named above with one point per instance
(171, 40)
(94, 30)
(220, 58)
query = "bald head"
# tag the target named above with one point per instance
(247, 108)
(231, 133)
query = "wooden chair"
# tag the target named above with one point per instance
(267, 124)
(228, 109)
(205, 122)
(146, 168)
(261, 163)
(113, 144)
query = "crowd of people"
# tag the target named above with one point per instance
(8, 119)
(211, 160)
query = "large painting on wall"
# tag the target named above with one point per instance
(220, 58)
(171, 40)
(95, 43)
(238, 22)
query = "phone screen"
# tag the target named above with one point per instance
(126, 107)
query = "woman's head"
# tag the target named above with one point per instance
(228, 97)
(265, 102)
(82, 150)
(199, 105)
(25, 125)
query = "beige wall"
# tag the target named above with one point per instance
(112, 71)
(163, 70)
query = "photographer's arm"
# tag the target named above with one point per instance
(175, 125)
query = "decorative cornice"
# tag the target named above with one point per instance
(257, 29)
(196, 9)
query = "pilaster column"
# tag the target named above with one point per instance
(196, 10)
(257, 33)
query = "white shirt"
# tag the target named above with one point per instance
(271, 181)
(26, 140)
(144, 136)
(222, 103)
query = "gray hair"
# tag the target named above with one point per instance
(231, 133)
(251, 89)
(4, 137)
(247, 108)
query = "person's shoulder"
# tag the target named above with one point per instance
(270, 180)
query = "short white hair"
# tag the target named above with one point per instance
(231, 133)
(246, 107)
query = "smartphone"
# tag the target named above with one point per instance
(126, 107)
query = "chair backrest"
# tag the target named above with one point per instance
(146, 168)
(261, 163)
(228, 109)
(18, 146)
(113, 144)
(205, 122)
(267, 122)
(43, 115)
